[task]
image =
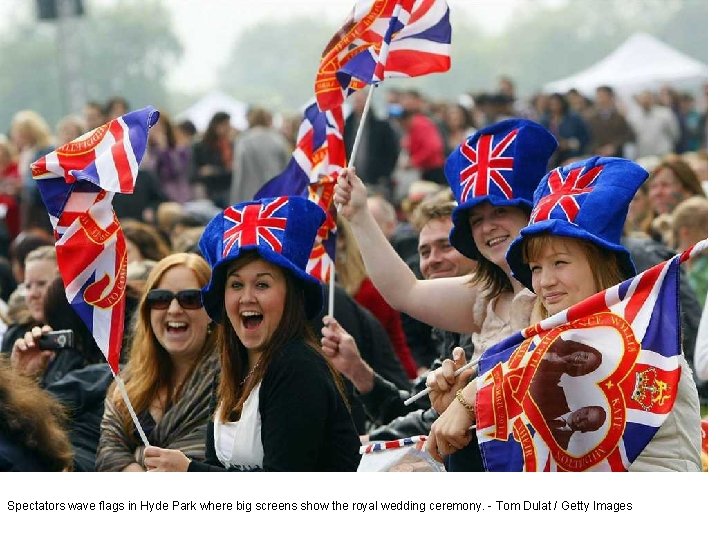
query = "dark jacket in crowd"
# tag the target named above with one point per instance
(377, 160)
(372, 341)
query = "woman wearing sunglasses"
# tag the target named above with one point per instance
(169, 376)
(280, 404)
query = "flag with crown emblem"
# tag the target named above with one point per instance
(77, 182)
(312, 172)
(380, 39)
(587, 388)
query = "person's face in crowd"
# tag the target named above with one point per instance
(20, 136)
(639, 206)
(181, 331)
(603, 99)
(555, 105)
(438, 258)
(255, 294)
(223, 130)
(561, 275)
(358, 101)
(665, 191)
(93, 117)
(455, 118)
(646, 100)
(133, 252)
(38, 274)
(493, 228)
(587, 419)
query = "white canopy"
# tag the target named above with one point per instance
(641, 63)
(202, 111)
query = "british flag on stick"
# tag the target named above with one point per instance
(77, 182)
(380, 39)
(588, 388)
(312, 173)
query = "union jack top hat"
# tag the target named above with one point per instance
(502, 164)
(281, 230)
(586, 200)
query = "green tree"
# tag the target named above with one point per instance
(125, 49)
(274, 63)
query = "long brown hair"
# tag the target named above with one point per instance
(351, 271)
(489, 276)
(234, 361)
(603, 262)
(32, 417)
(149, 370)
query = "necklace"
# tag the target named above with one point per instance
(242, 384)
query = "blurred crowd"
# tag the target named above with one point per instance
(190, 173)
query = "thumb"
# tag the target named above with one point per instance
(459, 357)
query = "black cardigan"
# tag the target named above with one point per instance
(305, 423)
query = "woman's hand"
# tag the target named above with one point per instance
(341, 349)
(350, 193)
(162, 460)
(443, 383)
(451, 432)
(26, 357)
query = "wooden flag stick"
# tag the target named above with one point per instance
(126, 399)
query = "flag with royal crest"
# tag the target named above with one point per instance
(77, 182)
(312, 172)
(588, 388)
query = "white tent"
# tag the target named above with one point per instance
(202, 111)
(641, 63)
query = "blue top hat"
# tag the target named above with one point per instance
(281, 229)
(502, 164)
(587, 200)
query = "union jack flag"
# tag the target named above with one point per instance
(527, 396)
(488, 160)
(384, 38)
(312, 173)
(77, 182)
(565, 193)
(255, 224)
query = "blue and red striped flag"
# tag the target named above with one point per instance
(380, 39)
(587, 388)
(77, 182)
(312, 173)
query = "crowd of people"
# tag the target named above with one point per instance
(230, 357)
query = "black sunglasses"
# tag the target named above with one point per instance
(162, 298)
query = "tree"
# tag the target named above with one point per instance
(125, 49)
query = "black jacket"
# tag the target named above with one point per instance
(306, 425)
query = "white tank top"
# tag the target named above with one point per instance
(238, 444)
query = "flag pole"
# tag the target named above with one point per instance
(351, 162)
(126, 399)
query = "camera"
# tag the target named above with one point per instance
(59, 339)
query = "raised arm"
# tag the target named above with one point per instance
(445, 303)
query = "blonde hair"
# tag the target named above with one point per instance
(691, 213)
(34, 126)
(149, 370)
(43, 253)
(350, 266)
(603, 263)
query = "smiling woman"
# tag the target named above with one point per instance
(281, 405)
(170, 374)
